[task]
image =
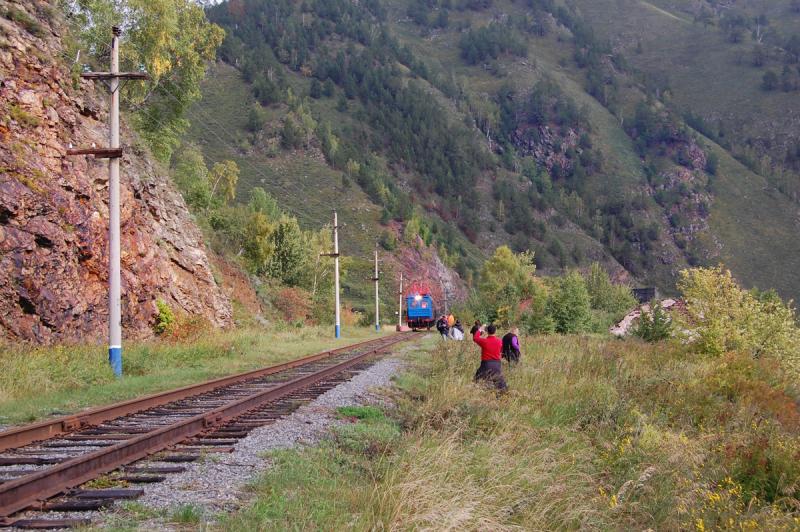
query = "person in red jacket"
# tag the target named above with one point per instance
(491, 351)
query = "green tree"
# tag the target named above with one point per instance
(226, 176)
(291, 134)
(570, 305)
(171, 40)
(770, 81)
(506, 279)
(258, 246)
(261, 201)
(288, 260)
(616, 300)
(722, 317)
(654, 326)
(537, 319)
(190, 174)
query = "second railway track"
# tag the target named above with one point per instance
(50, 459)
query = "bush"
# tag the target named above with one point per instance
(721, 317)
(388, 240)
(616, 300)
(537, 319)
(655, 325)
(165, 318)
(570, 304)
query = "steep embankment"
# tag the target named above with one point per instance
(54, 212)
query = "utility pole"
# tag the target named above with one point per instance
(113, 154)
(335, 255)
(400, 313)
(377, 305)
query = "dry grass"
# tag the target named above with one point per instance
(595, 434)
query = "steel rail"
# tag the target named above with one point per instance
(44, 430)
(26, 491)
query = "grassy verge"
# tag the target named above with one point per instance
(595, 434)
(39, 381)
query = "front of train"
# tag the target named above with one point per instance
(419, 307)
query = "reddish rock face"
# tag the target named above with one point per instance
(54, 210)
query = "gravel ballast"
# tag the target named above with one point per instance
(216, 483)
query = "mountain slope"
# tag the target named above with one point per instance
(502, 122)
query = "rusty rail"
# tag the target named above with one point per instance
(26, 491)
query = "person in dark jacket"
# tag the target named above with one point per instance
(442, 327)
(511, 351)
(491, 349)
(475, 328)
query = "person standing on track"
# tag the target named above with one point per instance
(511, 351)
(491, 349)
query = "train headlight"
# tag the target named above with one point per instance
(417, 297)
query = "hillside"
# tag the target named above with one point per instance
(494, 122)
(53, 208)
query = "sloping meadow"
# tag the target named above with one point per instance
(594, 433)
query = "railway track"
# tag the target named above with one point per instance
(41, 465)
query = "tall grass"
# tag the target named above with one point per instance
(37, 381)
(594, 434)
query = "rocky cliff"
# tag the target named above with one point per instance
(54, 208)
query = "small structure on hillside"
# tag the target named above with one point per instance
(626, 325)
(645, 295)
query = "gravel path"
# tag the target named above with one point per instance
(216, 484)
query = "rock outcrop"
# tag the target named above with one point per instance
(54, 208)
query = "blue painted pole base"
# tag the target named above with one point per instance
(338, 332)
(377, 327)
(115, 359)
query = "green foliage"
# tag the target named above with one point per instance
(22, 18)
(262, 202)
(171, 40)
(654, 325)
(537, 319)
(23, 117)
(361, 412)
(388, 240)
(724, 317)
(224, 176)
(570, 305)
(506, 279)
(770, 81)
(256, 119)
(165, 317)
(201, 188)
(289, 252)
(488, 42)
(614, 299)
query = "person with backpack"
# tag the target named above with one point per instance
(511, 351)
(441, 326)
(490, 369)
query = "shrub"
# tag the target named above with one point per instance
(537, 319)
(165, 318)
(570, 305)
(293, 304)
(614, 299)
(388, 240)
(721, 316)
(655, 325)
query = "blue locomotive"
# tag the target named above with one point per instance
(419, 307)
